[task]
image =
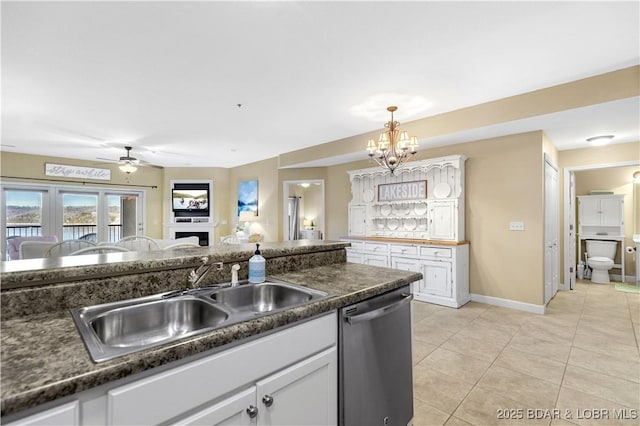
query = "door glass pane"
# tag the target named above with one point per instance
(23, 213)
(122, 216)
(79, 216)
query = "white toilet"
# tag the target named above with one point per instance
(600, 255)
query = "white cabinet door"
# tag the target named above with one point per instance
(612, 210)
(304, 394)
(357, 219)
(589, 211)
(67, 414)
(412, 265)
(234, 410)
(436, 278)
(442, 220)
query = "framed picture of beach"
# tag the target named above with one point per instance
(248, 197)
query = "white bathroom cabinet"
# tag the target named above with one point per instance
(445, 268)
(601, 215)
(225, 387)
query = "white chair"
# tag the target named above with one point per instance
(229, 239)
(138, 243)
(33, 249)
(65, 247)
(13, 244)
(99, 250)
(163, 243)
(180, 245)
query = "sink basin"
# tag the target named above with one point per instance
(120, 328)
(154, 322)
(114, 329)
(265, 297)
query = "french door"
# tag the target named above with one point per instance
(71, 212)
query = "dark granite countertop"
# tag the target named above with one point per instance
(44, 358)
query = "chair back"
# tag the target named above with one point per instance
(13, 244)
(181, 245)
(99, 249)
(33, 249)
(138, 243)
(66, 247)
(229, 239)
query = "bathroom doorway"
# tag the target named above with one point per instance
(303, 209)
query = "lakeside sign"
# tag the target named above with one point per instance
(402, 191)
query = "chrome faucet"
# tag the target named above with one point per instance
(197, 275)
(234, 275)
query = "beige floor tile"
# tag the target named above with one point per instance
(421, 310)
(426, 415)
(433, 335)
(548, 330)
(611, 388)
(533, 365)
(611, 364)
(484, 407)
(476, 347)
(420, 350)
(529, 391)
(533, 344)
(438, 389)
(612, 327)
(463, 367)
(455, 421)
(604, 344)
(507, 316)
(453, 320)
(561, 422)
(483, 330)
(580, 408)
(491, 321)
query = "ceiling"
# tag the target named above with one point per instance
(221, 84)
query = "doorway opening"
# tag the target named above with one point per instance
(303, 210)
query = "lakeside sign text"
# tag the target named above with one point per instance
(402, 191)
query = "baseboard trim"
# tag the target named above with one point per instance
(508, 303)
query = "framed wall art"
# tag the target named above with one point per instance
(248, 197)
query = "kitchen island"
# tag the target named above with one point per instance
(44, 361)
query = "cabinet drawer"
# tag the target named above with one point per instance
(376, 260)
(378, 248)
(435, 252)
(356, 246)
(403, 249)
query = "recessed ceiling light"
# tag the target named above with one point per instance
(600, 140)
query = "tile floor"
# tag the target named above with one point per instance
(484, 365)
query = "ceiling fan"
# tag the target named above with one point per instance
(127, 163)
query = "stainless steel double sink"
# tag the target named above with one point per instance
(114, 329)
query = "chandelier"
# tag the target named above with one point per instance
(394, 148)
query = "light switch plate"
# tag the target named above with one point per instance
(516, 226)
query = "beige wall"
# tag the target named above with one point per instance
(619, 181)
(26, 168)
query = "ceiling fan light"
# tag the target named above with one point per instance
(128, 168)
(600, 140)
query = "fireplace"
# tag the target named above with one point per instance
(203, 237)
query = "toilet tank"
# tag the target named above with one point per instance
(596, 248)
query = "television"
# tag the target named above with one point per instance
(190, 201)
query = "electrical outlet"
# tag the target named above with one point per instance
(516, 226)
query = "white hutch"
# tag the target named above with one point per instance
(414, 220)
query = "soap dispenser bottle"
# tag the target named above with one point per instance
(257, 267)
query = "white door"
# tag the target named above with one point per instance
(612, 211)
(570, 271)
(357, 220)
(412, 265)
(436, 278)
(441, 220)
(590, 212)
(551, 231)
(304, 394)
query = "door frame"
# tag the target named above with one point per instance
(285, 198)
(551, 211)
(567, 203)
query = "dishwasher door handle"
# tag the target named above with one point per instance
(380, 312)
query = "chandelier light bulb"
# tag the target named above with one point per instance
(394, 148)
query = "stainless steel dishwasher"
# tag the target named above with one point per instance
(375, 365)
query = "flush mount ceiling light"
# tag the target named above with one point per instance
(394, 148)
(127, 163)
(600, 140)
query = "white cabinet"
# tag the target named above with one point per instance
(310, 234)
(67, 414)
(357, 219)
(445, 268)
(601, 215)
(234, 410)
